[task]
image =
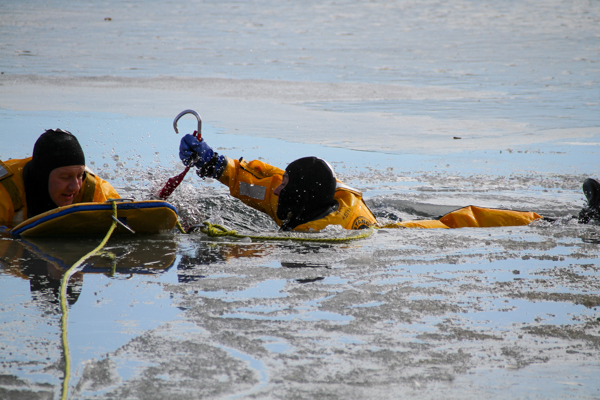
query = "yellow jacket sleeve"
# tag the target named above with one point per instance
(7, 212)
(253, 183)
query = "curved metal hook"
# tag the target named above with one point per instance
(181, 114)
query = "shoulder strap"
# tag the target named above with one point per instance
(89, 188)
(9, 184)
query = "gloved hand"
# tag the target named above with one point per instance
(190, 145)
(196, 152)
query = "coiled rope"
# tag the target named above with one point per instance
(216, 230)
(63, 300)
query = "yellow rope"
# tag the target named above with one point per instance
(180, 227)
(63, 301)
(215, 230)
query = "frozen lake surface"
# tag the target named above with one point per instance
(424, 106)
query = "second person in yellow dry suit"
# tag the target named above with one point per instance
(54, 176)
(308, 196)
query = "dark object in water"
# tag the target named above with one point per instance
(591, 189)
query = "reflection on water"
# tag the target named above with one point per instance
(130, 255)
(43, 262)
(222, 316)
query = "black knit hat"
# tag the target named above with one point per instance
(309, 192)
(55, 148)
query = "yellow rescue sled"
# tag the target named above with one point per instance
(94, 219)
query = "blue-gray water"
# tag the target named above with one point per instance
(424, 106)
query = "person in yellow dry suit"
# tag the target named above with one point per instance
(307, 196)
(54, 176)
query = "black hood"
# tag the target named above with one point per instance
(53, 149)
(308, 194)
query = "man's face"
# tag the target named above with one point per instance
(284, 182)
(64, 183)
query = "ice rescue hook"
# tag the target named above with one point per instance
(173, 182)
(181, 114)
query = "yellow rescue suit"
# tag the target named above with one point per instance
(13, 203)
(254, 182)
(472, 217)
